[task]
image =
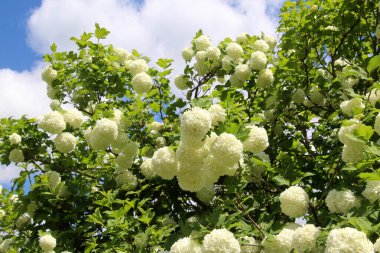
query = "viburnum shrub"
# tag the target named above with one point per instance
(254, 147)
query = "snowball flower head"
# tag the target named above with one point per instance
(258, 60)
(202, 42)
(165, 163)
(181, 82)
(261, 45)
(271, 41)
(257, 140)
(234, 50)
(281, 243)
(55, 105)
(340, 201)
(126, 180)
(15, 138)
(65, 142)
(221, 241)
(353, 153)
(294, 202)
(147, 169)
(242, 72)
(352, 107)
(305, 238)
(200, 56)
(206, 194)
(73, 117)
(16, 156)
(373, 96)
(52, 122)
(213, 53)
(138, 66)
(242, 38)
(348, 240)
(316, 96)
(103, 134)
(377, 245)
(142, 83)
(190, 179)
(186, 245)
(155, 127)
(47, 242)
(195, 124)
(250, 245)
(218, 114)
(372, 191)
(226, 149)
(227, 63)
(187, 53)
(265, 78)
(347, 129)
(121, 54)
(23, 220)
(49, 74)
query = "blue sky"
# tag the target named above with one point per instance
(29, 27)
(14, 51)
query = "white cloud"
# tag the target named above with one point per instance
(8, 173)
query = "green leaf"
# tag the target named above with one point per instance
(280, 180)
(96, 217)
(53, 47)
(100, 33)
(374, 63)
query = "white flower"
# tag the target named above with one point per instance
(349, 82)
(271, 41)
(23, 220)
(200, 56)
(221, 241)
(372, 191)
(340, 201)
(73, 117)
(257, 140)
(147, 169)
(102, 135)
(49, 74)
(2, 214)
(249, 245)
(206, 194)
(353, 153)
(348, 240)
(47, 242)
(352, 107)
(155, 127)
(54, 179)
(125, 159)
(316, 97)
(142, 83)
(261, 45)
(16, 156)
(281, 243)
(4, 246)
(160, 141)
(377, 245)
(218, 114)
(187, 53)
(55, 105)
(201, 68)
(1, 189)
(51, 91)
(126, 180)
(340, 62)
(348, 129)
(186, 245)
(65, 142)
(227, 150)
(294, 202)
(195, 124)
(265, 78)
(15, 138)
(202, 42)
(213, 53)
(121, 54)
(190, 179)
(181, 82)
(373, 96)
(234, 50)
(331, 28)
(299, 96)
(242, 38)
(305, 238)
(165, 163)
(121, 142)
(258, 60)
(52, 122)
(227, 63)
(138, 66)
(14, 198)
(242, 72)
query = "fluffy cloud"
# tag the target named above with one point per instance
(7, 173)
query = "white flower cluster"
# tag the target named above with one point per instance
(305, 238)
(52, 122)
(352, 107)
(102, 135)
(299, 96)
(261, 45)
(47, 243)
(220, 241)
(377, 245)
(65, 142)
(195, 124)
(165, 163)
(49, 74)
(372, 191)
(16, 156)
(340, 201)
(348, 240)
(257, 140)
(126, 180)
(373, 96)
(202, 42)
(352, 150)
(155, 127)
(281, 243)
(73, 117)
(249, 245)
(142, 83)
(265, 78)
(234, 50)
(187, 53)
(294, 202)
(218, 114)
(54, 179)
(23, 220)
(147, 169)
(181, 82)
(186, 245)
(258, 60)
(242, 38)
(15, 138)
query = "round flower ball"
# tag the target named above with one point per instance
(121, 54)
(221, 241)
(340, 201)
(181, 82)
(49, 74)
(142, 83)
(147, 169)
(261, 45)
(294, 202)
(242, 38)
(16, 156)
(218, 114)
(47, 242)
(353, 153)
(234, 50)
(213, 53)
(226, 149)
(126, 180)
(195, 124)
(271, 41)
(305, 238)
(165, 163)
(352, 107)
(348, 240)
(265, 78)
(15, 138)
(377, 245)
(281, 243)
(202, 42)
(257, 140)
(242, 72)
(52, 122)
(186, 245)
(138, 66)
(187, 53)
(65, 142)
(258, 60)
(73, 117)
(372, 191)
(102, 135)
